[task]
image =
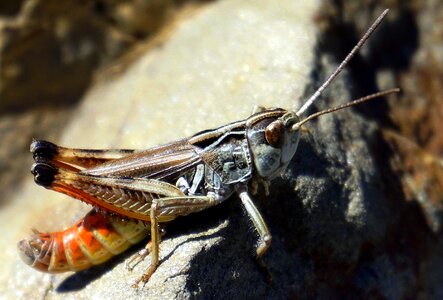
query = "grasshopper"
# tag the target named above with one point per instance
(159, 184)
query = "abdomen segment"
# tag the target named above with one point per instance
(90, 241)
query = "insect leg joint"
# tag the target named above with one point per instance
(257, 219)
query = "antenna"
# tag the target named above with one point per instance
(343, 64)
(297, 125)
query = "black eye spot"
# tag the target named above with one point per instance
(274, 133)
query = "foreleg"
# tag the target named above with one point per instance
(262, 229)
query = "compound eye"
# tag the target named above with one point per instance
(274, 133)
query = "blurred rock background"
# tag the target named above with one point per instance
(50, 53)
(100, 74)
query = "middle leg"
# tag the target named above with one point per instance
(171, 206)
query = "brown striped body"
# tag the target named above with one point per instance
(92, 240)
(162, 183)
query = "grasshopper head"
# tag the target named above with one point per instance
(273, 142)
(273, 134)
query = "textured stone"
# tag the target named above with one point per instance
(49, 50)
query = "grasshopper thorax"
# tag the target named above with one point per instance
(272, 141)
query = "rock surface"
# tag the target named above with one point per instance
(342, 224)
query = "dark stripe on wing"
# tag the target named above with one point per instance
(155, 163)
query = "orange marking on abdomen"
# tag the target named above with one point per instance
(90, 241)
